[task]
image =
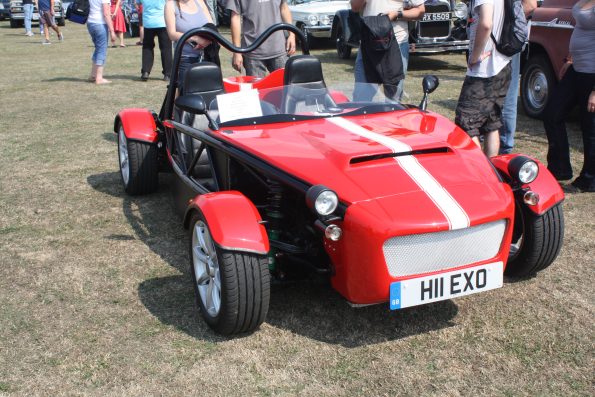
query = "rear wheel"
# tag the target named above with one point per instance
(232, 288)
(138, 165)
(14, 23)
(62, 22)
(537, 83)
(343, 49)
(537, 240)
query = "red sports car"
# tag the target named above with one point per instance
(281, 175)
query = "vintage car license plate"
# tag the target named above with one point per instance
(35, 17)
(436, 16)
(422, 290)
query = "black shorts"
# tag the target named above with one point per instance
(479, 109)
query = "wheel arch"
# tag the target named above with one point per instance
(545, 185)
(234, 221)
(138, 124)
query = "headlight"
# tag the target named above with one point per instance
(325, 19)
(460, 10)
(523, 169)
(313, 20)
(323, 200)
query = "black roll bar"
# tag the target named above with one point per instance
(166, 111)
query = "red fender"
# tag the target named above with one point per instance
(138, 124)
(234, 221)
(545, 185)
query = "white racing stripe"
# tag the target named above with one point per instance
(454, 213)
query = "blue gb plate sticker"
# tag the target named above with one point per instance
(395, 295)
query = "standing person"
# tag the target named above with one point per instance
(28, 10)
(99, 25)
(180, 17)
(400, 15)
(212, 6)
(141, 29)
(46, 17)
(249, 19)
(118, 21)
(576, 87)
(509, 111)
(154, 25)
(488, 77)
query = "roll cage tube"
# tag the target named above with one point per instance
(166, 111)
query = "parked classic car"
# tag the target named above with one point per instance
(551, 27)
(4, 9)
(315, 17)
(442, 29)
(283, 175)
(17, 15)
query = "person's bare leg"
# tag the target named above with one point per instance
(46, 33)
(491, 142)
(99, 76)
(93, 75)
(477, 141)
(121, 37)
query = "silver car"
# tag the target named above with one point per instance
(315, 17)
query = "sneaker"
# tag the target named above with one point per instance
(46, 42)
(166, 78)
(29, 34)
(144, 76)
(60, 36)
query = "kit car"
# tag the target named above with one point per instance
(281, 175)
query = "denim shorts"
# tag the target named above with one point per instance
(99, 35)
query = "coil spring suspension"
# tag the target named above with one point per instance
(274, 216)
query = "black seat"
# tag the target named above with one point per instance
(202, 78)
(305, 89)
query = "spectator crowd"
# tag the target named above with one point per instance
(487, 105)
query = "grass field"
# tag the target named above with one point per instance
(95, 295)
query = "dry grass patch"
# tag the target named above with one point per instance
(95, 297)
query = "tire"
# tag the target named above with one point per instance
(343, 49)
(14, 23)
(537, 240)
(537, 83)
(138, 165)
(231, 288)
(62, 22)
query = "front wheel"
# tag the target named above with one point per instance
(537, 240)
(62, 22)
(232, 288)
(138, 165)
(537, 84)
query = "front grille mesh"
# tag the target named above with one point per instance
(430, 252)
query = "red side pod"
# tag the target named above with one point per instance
(545, 185)
(138, 125)
(234, 221)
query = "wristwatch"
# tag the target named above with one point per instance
(399, 15)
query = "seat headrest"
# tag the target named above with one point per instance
(303, 69)
(202, 78)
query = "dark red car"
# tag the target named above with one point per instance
(551, 27)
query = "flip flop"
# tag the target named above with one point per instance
(122, 45)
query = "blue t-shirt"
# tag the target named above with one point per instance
(43, 5)
(153, 13)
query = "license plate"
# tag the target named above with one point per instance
(439, 287)
(436, 16)
(35, 16)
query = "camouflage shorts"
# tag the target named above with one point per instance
(479, 109)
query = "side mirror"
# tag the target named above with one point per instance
(192, 103)
(429, 84)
